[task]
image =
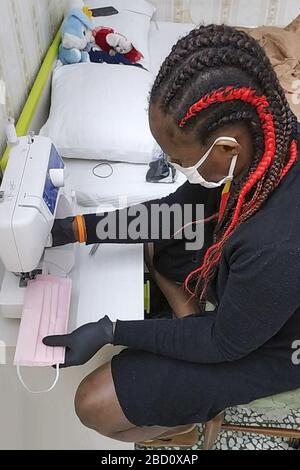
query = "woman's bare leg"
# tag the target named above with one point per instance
(96, 402)
(180, 302)
(98, 408)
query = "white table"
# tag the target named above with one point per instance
(110, 282)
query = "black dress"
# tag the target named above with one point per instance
(181, 371)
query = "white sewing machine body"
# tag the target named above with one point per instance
(32, 195)
(30, 204)
(29, 201)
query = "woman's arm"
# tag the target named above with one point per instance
(261, 294)
(108, 227)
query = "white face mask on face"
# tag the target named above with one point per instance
(194, 177)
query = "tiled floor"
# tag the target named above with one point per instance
(246, 441)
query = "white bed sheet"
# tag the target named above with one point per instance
(163, 35)
(127, 185)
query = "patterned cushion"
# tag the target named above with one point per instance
(276, 405)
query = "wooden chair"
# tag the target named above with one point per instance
(286, 402)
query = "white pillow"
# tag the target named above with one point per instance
(101, 112)
(133, 21)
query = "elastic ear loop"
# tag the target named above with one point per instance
(205, 156)
(232, 165)
(38, 391)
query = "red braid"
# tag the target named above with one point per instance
(261, 104)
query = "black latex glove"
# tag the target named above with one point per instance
(84, 342)
(62, 232)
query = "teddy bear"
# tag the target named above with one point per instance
(77, 38)
(117, 46)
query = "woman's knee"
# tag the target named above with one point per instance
(86, 402)
(96, 403)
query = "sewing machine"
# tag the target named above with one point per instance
(33, 193)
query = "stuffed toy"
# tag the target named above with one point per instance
(77, 38)
(101, 57)
(88, 12)
(114, 43)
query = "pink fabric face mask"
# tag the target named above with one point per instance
(45, 312)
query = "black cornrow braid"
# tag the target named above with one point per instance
(258, 144)
(214, 57)
(229, 56)
(204, 61)
(214, 35)
(283, 132)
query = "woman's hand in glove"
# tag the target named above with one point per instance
(83, 343)
(68, 230)
(63, 232)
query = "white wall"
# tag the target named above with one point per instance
(245, 12)
(12, 407)
(27, 29)
(233, 12)
(47, 421)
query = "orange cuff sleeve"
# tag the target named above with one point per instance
(81, 228)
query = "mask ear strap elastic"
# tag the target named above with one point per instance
(232, 165)
(205, 156)
(40, 391)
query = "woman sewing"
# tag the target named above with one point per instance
(219, 113)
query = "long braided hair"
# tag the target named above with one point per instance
(217, 76)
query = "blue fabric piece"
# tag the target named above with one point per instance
(101, 57)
